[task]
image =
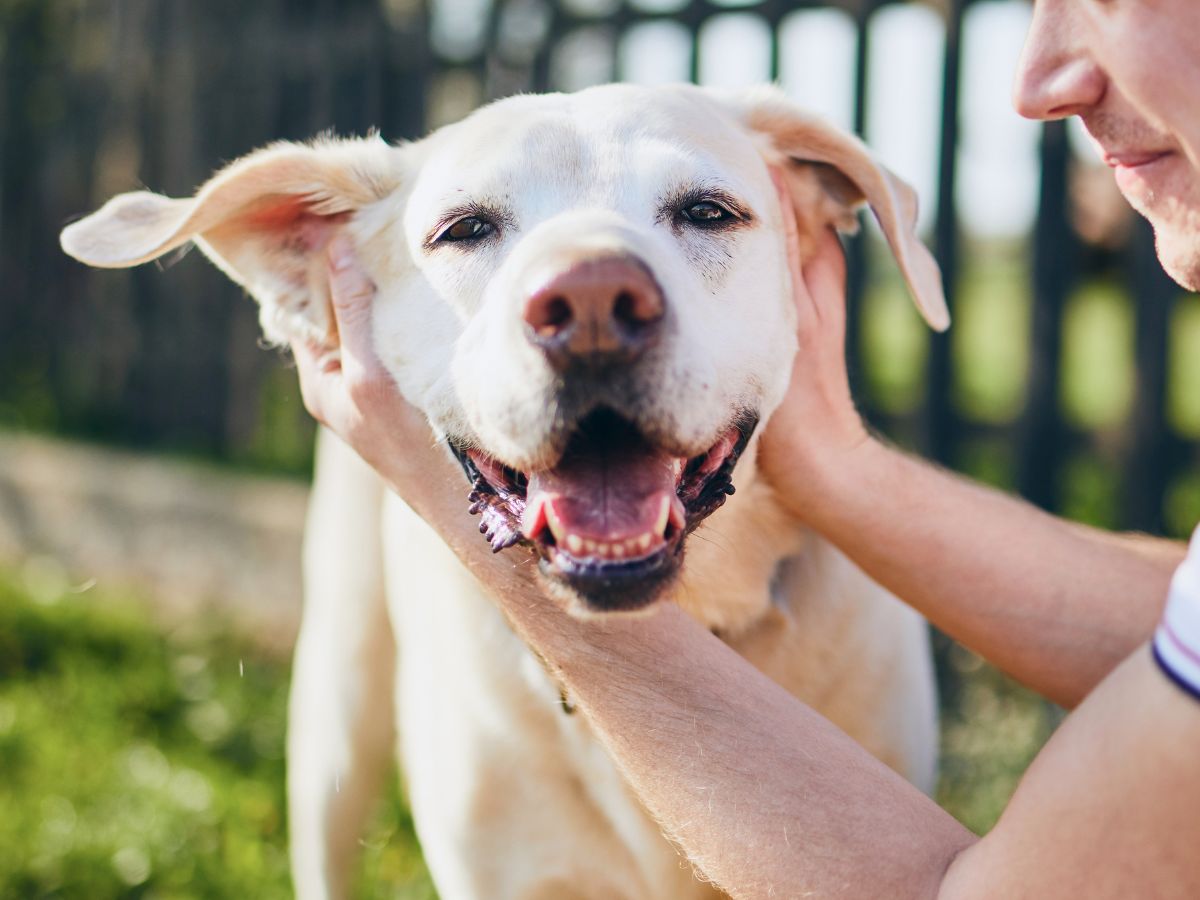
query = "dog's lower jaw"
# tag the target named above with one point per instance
(631, 587)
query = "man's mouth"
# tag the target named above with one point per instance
(1132, 159)
(1135, 170)
(609, 518)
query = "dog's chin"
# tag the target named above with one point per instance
(608, 520)
(602, 587)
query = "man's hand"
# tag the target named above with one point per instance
(817, 424)
(349, 391)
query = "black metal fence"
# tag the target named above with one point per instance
(101, 97)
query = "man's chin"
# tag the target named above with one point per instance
(1179, 255)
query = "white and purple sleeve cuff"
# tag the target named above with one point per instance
(1177, 642)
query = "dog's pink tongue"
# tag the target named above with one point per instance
(607, 496)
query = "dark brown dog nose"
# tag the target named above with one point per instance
(602, 309)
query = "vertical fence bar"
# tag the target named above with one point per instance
(1040, 432)
(856, 247)
(940, 426)
(1148, 468)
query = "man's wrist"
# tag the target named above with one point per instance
(829, 477)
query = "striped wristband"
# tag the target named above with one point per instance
(1177, 641)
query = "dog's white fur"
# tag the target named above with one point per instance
(512, 797)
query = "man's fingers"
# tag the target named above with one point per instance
(825, 272)
(791, 231)
(352, 294)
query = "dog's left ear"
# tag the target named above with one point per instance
(831, 174)
(264, 220)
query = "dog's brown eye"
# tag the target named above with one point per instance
(706, 212)
(468, 229)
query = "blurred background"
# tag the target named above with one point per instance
(154, 458)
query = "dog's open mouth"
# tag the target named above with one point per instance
(609, 517)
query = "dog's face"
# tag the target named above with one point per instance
(587, 295)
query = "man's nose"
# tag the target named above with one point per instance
(1056, 76)
(604, 309)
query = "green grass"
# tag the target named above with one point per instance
(136, 763)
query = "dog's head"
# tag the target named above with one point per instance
(587, 294)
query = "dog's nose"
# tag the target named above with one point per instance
(602, 309)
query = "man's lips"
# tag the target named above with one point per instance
(1136, 170)
(1133, 159)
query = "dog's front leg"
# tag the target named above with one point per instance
(341, 716)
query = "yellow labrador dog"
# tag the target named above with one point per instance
(588, 297)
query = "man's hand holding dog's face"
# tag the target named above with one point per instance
(816, 425)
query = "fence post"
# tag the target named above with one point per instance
(856, 247)
(1040, 431)
(940, 431)
(1148, 468)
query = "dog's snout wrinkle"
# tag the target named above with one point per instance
(609, 308)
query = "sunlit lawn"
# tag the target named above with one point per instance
(135, 763)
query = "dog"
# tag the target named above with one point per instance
(588, 297)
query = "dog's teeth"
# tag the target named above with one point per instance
(534, 518)
(574, 543)
(618, 550)
(589, 546)
(643, 542)
(677, 516)
(664, 515)
(602, 548)
(555, 524)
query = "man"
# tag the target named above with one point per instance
(780, 803)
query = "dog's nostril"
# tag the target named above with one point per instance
(550, 316)
(625, 309)
(634, 310)
(557, 314)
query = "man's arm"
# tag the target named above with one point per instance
(1055, 604)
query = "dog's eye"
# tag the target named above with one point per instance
(469, 229)
(706, 212)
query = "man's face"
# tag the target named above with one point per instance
(1130, 69)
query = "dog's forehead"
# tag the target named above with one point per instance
(613, 140)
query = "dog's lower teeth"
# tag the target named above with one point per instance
(644, 541)
(574, 543)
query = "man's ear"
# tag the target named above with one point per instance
(830, 175)
(265, 220)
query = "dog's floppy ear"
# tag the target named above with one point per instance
(265, 221)
(831, 174)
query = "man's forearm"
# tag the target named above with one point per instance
(767, 797)
(1055, 604)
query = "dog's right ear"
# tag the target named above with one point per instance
(832, 173)
(265, 220)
